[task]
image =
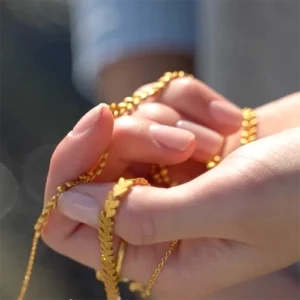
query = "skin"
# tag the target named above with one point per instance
(241, 218)
(135, 70)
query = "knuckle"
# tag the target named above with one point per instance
(158, 112)
(51, 240)
(147, 230)
(187, 87)
(141, 226)
(54, 239)
(125, 129)
(129, 127)
(124, 124)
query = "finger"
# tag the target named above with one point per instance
(212, 205)
(76, 154)
(142, 140)
(201, 104)
(201, 258)
(83, 246)
(133, 140)
(279, 115)
(208, 141)
(224, 205)
(150, 215)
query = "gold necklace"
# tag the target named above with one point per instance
(111, 268)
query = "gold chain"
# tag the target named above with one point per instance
(146, 292)
(109, 273)
(249, 126)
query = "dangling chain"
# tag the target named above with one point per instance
(110, 273)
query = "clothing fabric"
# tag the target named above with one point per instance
(104, 31)
(247, 50)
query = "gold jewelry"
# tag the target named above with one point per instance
(109, 272)
(249, 126)
(249, 130)
(214, 162)
(119, 263)
(111, 269)
(120, 259)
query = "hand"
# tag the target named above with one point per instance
(141, 267)
(240, 218)
(83, 146)
(214, 117)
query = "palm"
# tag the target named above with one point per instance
(180, 274)
(179, 173)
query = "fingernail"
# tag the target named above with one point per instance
(88, 120)
(170, 137)
(78, 207)
(207, 140)
(225, 113)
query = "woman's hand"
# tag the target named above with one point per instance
(236, 222)
(134, 142)
(185, 99)
(147, 211)
(189, 104)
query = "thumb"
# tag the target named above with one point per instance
(76, 154)
(151, 215)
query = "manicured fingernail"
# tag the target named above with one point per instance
(225, 113)
(207, 140)
(88, 120)
(170, 137)
(78, 207)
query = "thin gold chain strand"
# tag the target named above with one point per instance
(146, 292)
(42, 220)
(29, 265)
